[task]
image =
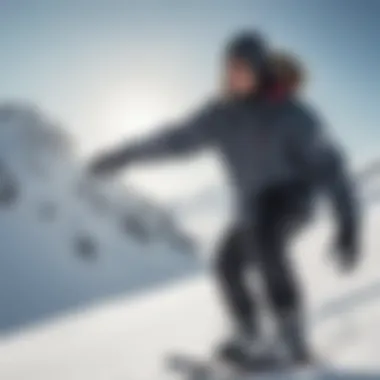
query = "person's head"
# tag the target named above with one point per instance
(245, 61)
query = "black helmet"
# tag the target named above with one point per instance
(251, 47)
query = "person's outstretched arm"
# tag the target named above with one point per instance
(172, 141)
(325, 166)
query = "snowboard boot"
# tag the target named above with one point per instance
(292, 332)
(244, 349)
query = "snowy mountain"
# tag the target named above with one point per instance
(66, 241)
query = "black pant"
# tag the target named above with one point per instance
(279, 213)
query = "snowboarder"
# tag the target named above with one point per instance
(279, 159)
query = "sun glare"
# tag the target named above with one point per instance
(134, 113)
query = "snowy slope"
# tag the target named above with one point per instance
(67, 242)
(129, 337)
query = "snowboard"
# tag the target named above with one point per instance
(192, 368)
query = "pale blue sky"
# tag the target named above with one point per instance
(106, 67)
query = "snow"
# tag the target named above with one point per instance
(129, 337)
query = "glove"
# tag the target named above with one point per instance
(107, 164)
(100, 166)
(346, 249)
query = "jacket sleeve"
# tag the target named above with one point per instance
(323, 164)
(172, 141)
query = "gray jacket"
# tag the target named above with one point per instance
(262, 144)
